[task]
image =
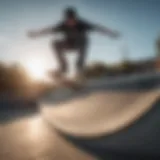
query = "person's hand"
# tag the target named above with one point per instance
(115, 34)
(32, 34)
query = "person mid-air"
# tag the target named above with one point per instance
(75, 31)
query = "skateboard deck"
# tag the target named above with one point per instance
(64, 82)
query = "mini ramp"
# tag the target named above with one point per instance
(101, 113)
(106, 107)
(116, 119)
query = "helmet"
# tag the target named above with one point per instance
(70, 12)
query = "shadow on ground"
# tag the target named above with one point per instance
(11, 110)
(139, 141)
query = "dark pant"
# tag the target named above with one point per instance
(60, 47)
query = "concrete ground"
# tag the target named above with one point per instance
(26, 134)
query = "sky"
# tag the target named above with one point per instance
(137, 21)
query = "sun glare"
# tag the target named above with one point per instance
(36, 68)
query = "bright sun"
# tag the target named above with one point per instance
(36, 69)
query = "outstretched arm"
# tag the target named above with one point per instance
(42, 32)
(45, 31)
(102, 29)
(107, 31)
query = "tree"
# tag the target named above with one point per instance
(96, 70)
(12, 77)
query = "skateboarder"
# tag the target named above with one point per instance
(75, 31)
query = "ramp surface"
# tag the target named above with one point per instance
(100, 113)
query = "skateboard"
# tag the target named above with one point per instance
(64, 82)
